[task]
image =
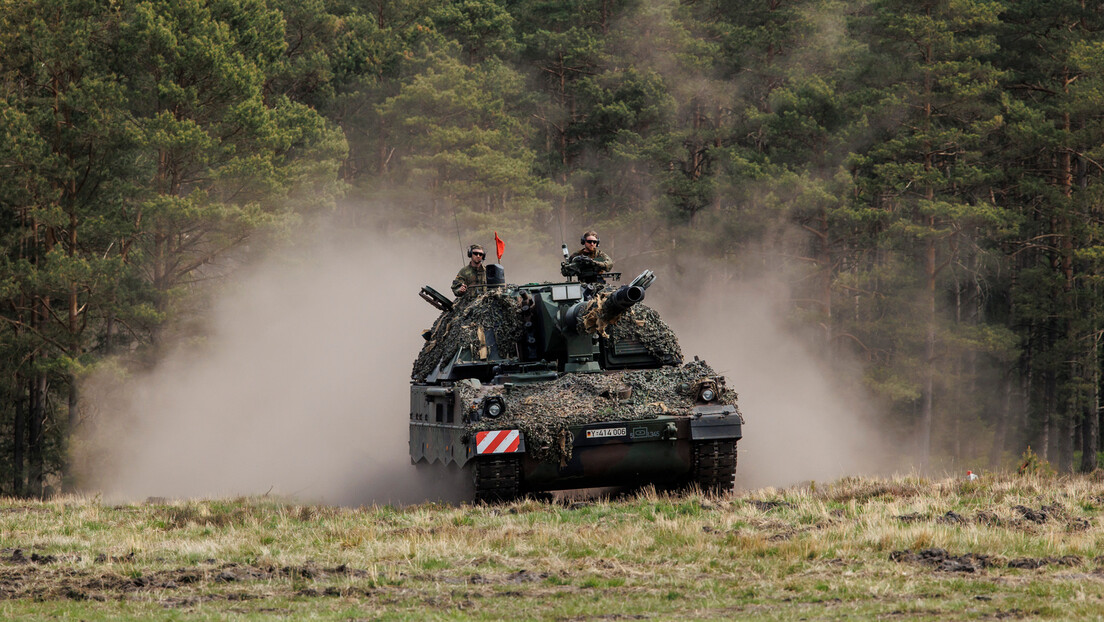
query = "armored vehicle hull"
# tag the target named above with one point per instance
(567, 385)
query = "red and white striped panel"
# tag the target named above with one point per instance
(497, 442)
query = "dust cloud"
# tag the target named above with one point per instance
(300, 387)
(805, 420)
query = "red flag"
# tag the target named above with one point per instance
(500, 246)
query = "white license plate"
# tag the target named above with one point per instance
(605, 432)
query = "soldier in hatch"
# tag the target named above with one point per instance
(590, 243)
(471, 275)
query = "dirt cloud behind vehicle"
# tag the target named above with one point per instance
(300, 386)
(805, 419)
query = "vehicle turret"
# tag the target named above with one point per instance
(562, 327)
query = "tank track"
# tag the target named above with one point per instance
(497, 479)
(714, 465)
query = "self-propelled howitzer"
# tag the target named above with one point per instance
(550, 386)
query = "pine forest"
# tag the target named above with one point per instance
(925, 176)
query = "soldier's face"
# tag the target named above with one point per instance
(477, 257)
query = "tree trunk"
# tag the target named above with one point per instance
(1045, 435)
(18, 442)
(1000, 432)
(926, 415)
(1090, 437)
(1065, 182)
(75, 351)
(926, 410)
(68, 478)
(1068, 428)
(36, 464)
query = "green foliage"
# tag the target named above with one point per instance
(925, 176)
(1032, 464)
(458, 133)
(483, 27)
(143, 149)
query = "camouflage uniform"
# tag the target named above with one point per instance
(469, 275)
(603, 260)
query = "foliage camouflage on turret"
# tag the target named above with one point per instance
(643, 324)
(460, 327)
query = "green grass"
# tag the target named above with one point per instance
(852, 548)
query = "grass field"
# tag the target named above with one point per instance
(907, 548)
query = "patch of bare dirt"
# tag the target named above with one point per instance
(1027, 518)
(519, 577)
(941, 560)
(951, 518)
(1040, 515)
(1031, 563)
(50, 578)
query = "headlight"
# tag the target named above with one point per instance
(494, 407)
(707, 391)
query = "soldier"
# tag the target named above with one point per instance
(472, 274)
(590, 243)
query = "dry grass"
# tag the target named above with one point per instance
(1000, 546)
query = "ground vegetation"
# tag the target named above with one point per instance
(1012, 546)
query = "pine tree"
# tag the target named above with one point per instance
(220, 161)
(1052, 149)
(460, 135)
(928, 175)
(73, 156)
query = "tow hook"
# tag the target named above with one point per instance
(670, 433)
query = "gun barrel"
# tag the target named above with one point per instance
(620, 301)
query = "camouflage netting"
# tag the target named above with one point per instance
(462, 326)
(543, 411)
(643, 324)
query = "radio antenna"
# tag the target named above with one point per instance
(458, 240)
(559, 217)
